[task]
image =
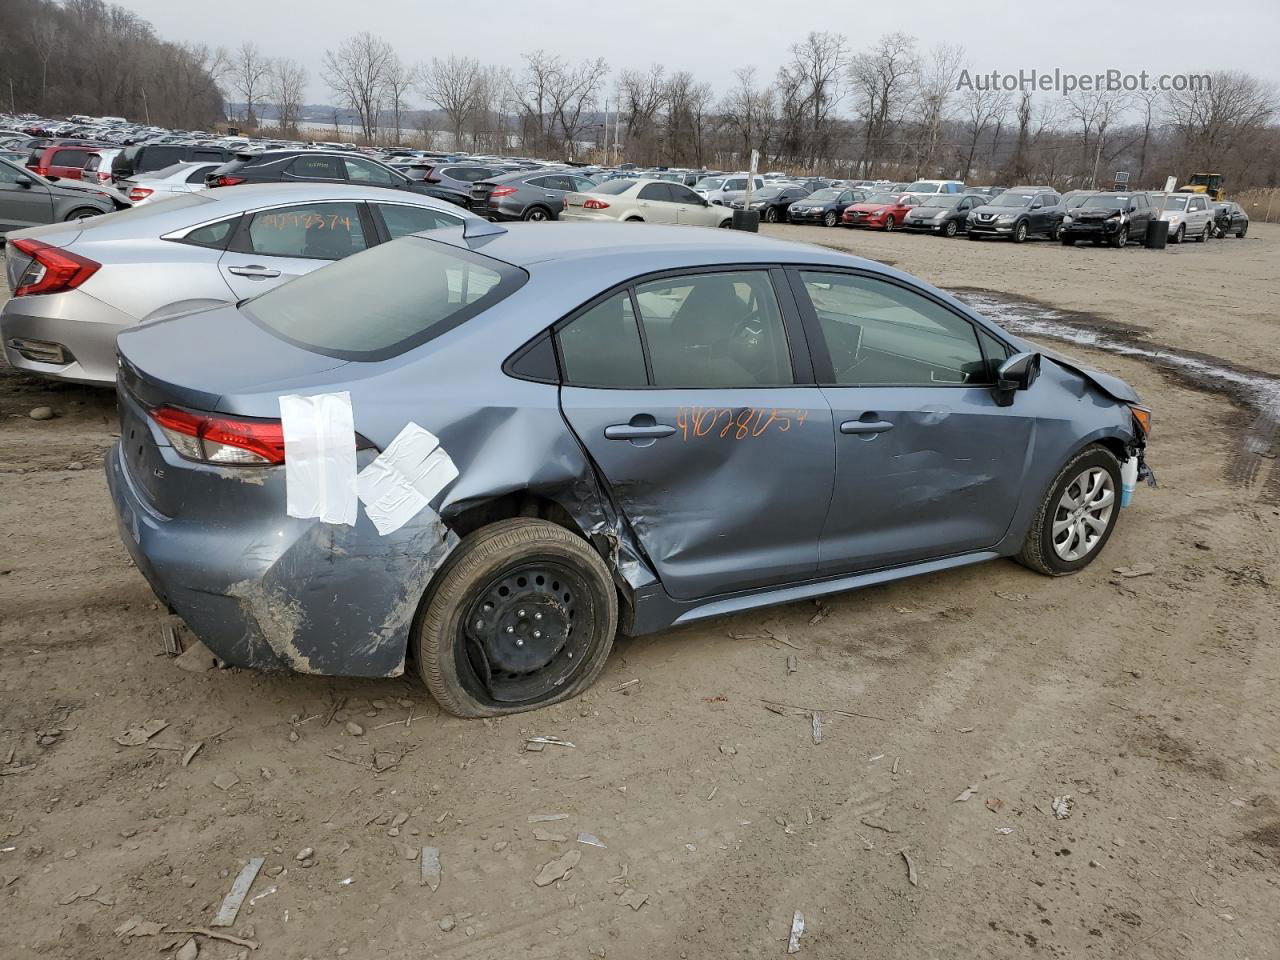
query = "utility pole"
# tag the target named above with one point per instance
(145, 108)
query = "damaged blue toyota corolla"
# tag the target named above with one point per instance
(496, 448)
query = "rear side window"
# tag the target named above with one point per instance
(69, 158)
(385, 301)
(319, 231)
(199, 173)
(613, 187)
(154, 158)
(654, 191)
(402, 219)
(213, 235)
(602, 347)
(316, 168)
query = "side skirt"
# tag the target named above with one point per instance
(655, 610)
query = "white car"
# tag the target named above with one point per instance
(644, 201)
(186, 176)
(927, 188)
(715, 189)
(1189, 215)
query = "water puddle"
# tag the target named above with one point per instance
(1253, 464)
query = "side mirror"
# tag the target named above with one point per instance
(24, 181)
(1017, 373)
(1037, 205)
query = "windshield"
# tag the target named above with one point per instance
(921, 187)
(1175, 203)
(944, 203)
(1105, 200)
(386, 300)
(882, 198)
(824, 196)
(1009, 199)
(739, 183)
(767, 193)
(709, 183)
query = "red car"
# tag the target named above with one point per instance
(880, 211)
(66, 162)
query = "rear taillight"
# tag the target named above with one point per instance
(502, 191)
(104, 176)
(52, 270)
(43, 171)
(139, 193)
(223, 180)
(596, 205)
(207, 438)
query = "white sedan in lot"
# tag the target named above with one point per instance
(644, 201)
(186, 176)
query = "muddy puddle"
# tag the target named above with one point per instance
(1254, 463)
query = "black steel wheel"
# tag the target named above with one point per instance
(522, 616)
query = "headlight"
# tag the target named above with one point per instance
(1007, 217)
(1067, 218)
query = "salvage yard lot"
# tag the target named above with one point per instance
(1150, 701)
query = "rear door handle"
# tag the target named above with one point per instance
(865, 426)
(254, 271)
(627, 431)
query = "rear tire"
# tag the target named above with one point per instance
(1067, 241)
(537, 214)
(1243, 230)
(1038, 551)
(1204, 234)
(485, 577)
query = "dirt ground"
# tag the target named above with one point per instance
(1149, 701)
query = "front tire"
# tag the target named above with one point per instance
(522, 616)
(1020, 232)
(1077, 515)
(770, 215)
(1121, 239)
(1180, 234)
(830, 218)
(950, 229)
(889, 223)
(1243, 230)
(81, 213)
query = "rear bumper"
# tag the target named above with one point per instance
(579, 215)
(82, 325)
(266, 591)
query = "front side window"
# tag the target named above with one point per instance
(880, 334)
(320, 231)
(402, 219)
(384, 301)
(602, 348)
(715, 330)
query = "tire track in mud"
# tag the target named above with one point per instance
(1252, 464)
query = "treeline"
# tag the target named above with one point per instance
(892, 109)
(86, 56)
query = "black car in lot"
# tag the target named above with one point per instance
(147, 157)
(944, 214)
(312, 166)
(1228, 218)
(526, 195)
(1017, 214)
(772, 202)
(824, 206)
(1112, 218)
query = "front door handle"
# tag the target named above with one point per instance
(254, 271)
(865, 426)
(631, 431)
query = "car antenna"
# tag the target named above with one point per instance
(477, 228)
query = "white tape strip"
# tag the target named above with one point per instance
(405, 478)
(320, 457)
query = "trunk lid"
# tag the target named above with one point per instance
(217, 361)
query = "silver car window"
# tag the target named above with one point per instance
(403, 219)
(715, 330)
(320, 231)
(601, 348)
(879, 334)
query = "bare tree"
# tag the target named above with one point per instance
(747, 111)
(399, 78)
(980, 108)
(452, 84)
(356, 73)
(935, 89)
(641, 96)
(1149, 104)
(816, 70)
(286, 87)
(250, 71)
(530, 92)
(882, 78)
(46, 40)
(1218, 123)
(571, 91)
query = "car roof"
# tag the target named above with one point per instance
(248, 196)
(526, 244)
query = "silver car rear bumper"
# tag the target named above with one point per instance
(82, 325)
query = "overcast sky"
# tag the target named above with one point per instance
(713, 40)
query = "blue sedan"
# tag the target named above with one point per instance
(487, 450)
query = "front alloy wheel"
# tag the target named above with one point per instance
(1077, 515)
(889, 224)
(830, 218)
(523, 615)
(770, 215)
(1020, 231)
(950, 229)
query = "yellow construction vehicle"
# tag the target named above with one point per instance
(1208, 183)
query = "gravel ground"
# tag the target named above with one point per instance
(1150, 702)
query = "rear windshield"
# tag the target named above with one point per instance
(614, 186)
(386, 300)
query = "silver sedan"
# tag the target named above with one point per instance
(76, 285)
